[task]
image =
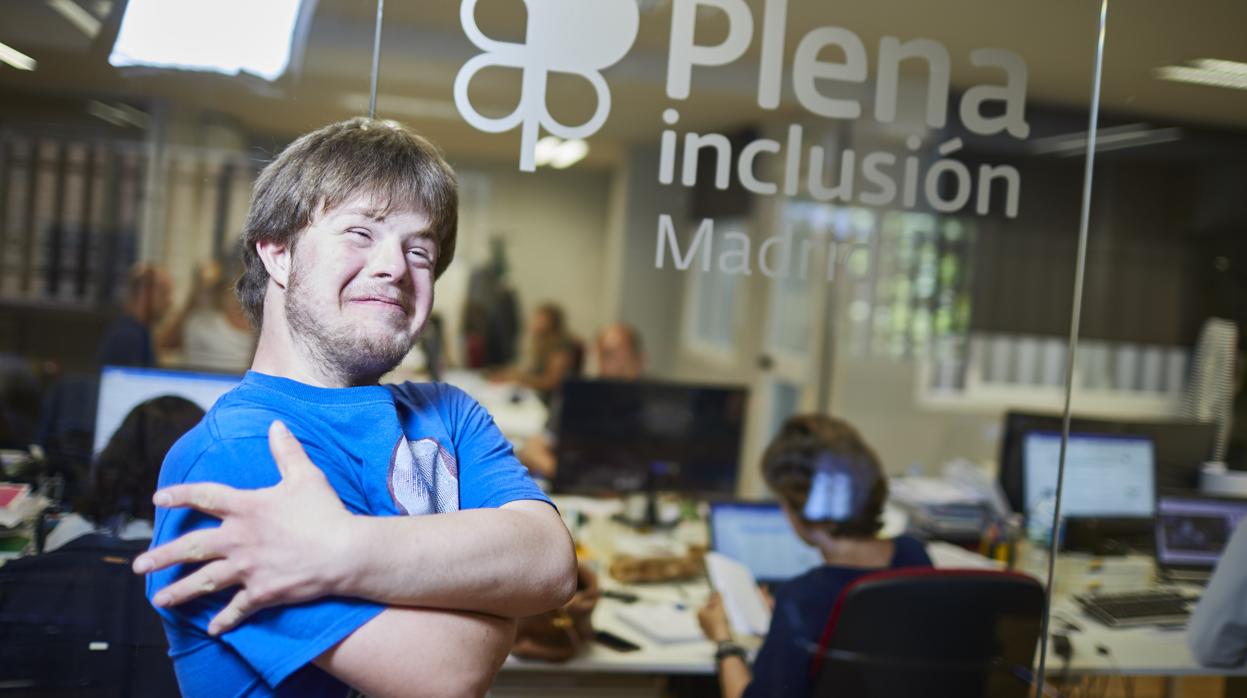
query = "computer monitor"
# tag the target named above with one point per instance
(758, 535)
(1179, 448)
(628, 436)
(122, 388)
(1192, 531)
(1105, 474)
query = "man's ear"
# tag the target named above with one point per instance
(276, 257)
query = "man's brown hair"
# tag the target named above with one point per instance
(805, 441)
(328, 166)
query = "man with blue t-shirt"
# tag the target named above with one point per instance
(318, 532)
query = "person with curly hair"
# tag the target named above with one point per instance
(123, 478)
(832, 487)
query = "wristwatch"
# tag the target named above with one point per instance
(727, 648)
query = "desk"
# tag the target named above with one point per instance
(653, 658)
(601, 670)
(1146, 651)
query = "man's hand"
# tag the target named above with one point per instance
(283, 544)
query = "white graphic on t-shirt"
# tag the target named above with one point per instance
(424, 477)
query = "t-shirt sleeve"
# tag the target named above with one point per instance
(489, 473)
(278, 641)
(1217, 633)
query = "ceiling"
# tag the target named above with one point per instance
(424, 47)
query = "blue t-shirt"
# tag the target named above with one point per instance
(407, 449)
(802, 607)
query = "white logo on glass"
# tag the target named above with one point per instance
(576, 37)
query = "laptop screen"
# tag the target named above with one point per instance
(1192, 531)
(758, 536)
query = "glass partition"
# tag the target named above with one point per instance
(710, 216)
(1153, 455)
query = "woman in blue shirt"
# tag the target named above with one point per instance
(832, 487)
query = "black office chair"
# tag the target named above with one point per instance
(74, 623)
(932, 633)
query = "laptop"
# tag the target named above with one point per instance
(758, 535)
(1191, 531)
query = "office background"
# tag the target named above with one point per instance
(941, 324)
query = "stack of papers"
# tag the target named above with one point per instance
(746, 608)
(940, 508)
(17, 505)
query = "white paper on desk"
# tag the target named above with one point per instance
(746, 609)
(24, 509)
(972, 478)
(661, 622)
(648, 545)
(948, 555)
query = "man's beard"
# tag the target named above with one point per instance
(354, 357)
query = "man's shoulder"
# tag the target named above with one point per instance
(203, 454)
(425, 392)
(233, 433)
(442, 397)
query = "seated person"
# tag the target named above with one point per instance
(1217, 633)
(832, 487)
(620, 356)
(211, 328)
(119, 497)
(128, 340)
(557, 354)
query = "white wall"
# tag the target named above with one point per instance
(877, 396)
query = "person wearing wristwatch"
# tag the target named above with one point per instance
(730, 658)
(832, 487)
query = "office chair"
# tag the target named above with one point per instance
(932, 633)
(75, 623)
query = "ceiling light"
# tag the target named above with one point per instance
(1218, 65)
(1198, 76)
(75, 15)
(569, 153)
(16, 58)
(1214, 72)
(558, 153)
(106, 112)
(225, 36)
(118, 114)
(1110, 138)
(545, 150)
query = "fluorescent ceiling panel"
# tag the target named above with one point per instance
(223, 36)
(75, 15)
(16, 58)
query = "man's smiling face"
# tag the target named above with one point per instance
(361, 286)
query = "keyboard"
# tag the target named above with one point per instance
(1136, 608)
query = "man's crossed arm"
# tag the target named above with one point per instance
(450, 580)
